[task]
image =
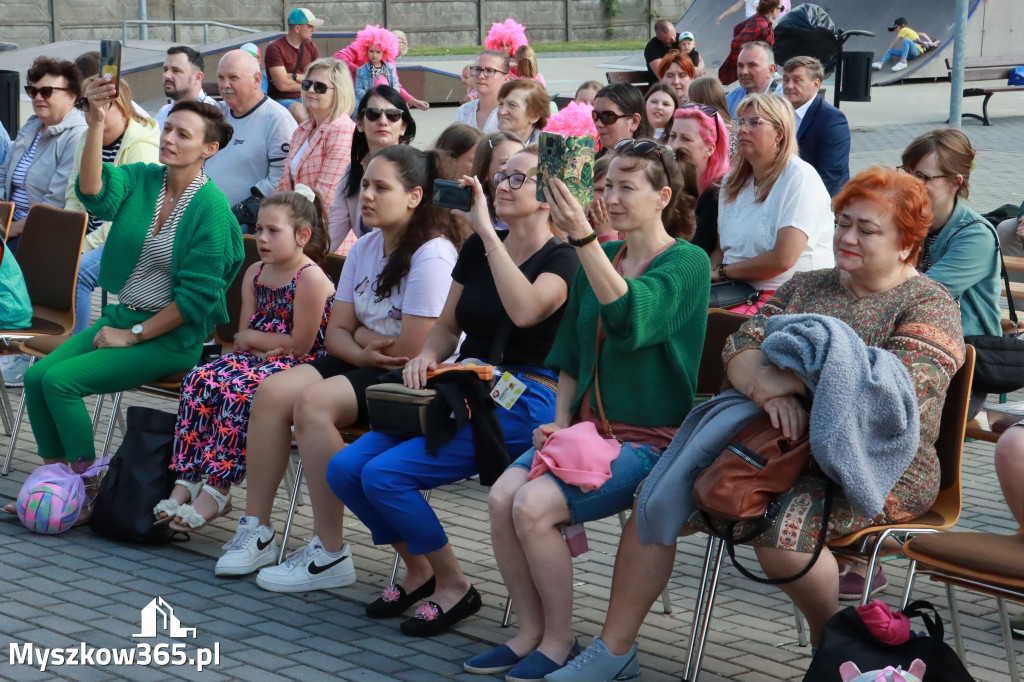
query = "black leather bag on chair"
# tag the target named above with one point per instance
(139, 476)
(731, 293)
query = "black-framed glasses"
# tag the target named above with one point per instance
(46, 91)
(645, 147)
(374, 113)
(607, 116)
(919, 175)
(486, 72)
(515, 180)
(316, 86)
(82, 104)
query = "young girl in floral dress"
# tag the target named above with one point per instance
(285, 306)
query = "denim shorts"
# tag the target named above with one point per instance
(629, 469)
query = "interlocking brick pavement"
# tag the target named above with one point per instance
(76, 587)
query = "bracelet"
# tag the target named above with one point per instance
(496, 248)
(583, 242)
(721, 272)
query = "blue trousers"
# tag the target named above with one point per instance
(910, 49)
(379, 477)
(88, 274)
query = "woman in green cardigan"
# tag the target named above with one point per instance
(637, 312)
(172, 250)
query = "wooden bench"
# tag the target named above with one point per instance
(987, 68)
(640, 79)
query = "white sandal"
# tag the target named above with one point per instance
(170, 507)
(192, 520)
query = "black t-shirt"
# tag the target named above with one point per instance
(479, 312)
(656, 50)
(694, 57)
(706, 212)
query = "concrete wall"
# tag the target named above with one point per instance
(428, 22)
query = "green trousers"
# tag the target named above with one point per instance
(56, 385)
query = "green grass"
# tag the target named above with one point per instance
(588, 46)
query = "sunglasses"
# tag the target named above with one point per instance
(607, 117)
(316, 86)
(82, 104)
(485, 72)
(920, 176)
(374, 113)
(708, 111)
(515, 180)
(644, 148)
(46, 91)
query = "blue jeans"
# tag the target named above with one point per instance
(88, 274)
(910, 50)
(379, 477)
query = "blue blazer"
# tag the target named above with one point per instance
(824, 139)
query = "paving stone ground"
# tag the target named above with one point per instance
(64, 590)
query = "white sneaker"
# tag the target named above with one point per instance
(877, 66)
(899, 66)
(13, 369)
(310, 568)
(252, 548)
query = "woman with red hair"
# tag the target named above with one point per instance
(677, 71)
(882, 218)
(377, 50)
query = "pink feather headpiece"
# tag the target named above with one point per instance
(378, 37)
(507, 32)
(574, 119)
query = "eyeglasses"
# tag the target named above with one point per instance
(750, 122)
(607, 117)
(374, 113)
(82, 104)
(485, 72)
(645, 147)
(919, 175)
(316, 86)
(515, 180)
(46, 91)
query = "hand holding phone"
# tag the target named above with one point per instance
(448, 194)
(110, 61)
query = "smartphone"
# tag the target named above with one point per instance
(448, 194)
(571, 160)
(110, 60)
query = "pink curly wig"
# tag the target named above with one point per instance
(507, 32)
(379, 37)
(574, 119)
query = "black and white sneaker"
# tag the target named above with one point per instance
(310, 568)
(252, 548)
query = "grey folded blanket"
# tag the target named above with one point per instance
(864, 424)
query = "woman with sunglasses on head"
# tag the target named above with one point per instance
(627, 353)
(700, 130)
(774, 213)
(382, 120)
(320, 150)
(619, 112)
(490, 72)
(39, 164)
(517, 281)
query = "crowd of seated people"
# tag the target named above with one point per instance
(596, 311)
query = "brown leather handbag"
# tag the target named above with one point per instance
(744, 482)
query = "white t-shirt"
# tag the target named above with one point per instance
(422, 292)
(751, 7)
(798, 199)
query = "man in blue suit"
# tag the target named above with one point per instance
(822, 131)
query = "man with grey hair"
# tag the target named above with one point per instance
(755, 68)
(250, 167)
(821, 130)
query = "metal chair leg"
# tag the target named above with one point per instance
(508, 613)
(908, 587)
(1011, 655)
(801, 631)
(703, 608)
(14, 434)
(954, 621)
(6, 413)
(115, 409)
(291, 511)
(97, 412)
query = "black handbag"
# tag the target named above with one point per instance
(139, 476)
(847, 638)
(999, 363)
(731, 293)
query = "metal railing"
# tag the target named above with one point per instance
(143, 24)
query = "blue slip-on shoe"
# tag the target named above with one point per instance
(500, 659)
(597, 664)
(536, 666)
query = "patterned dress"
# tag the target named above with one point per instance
(213, 413)
(919, 323)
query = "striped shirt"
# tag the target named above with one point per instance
(109, 156)
(149, 285)
(18, 194)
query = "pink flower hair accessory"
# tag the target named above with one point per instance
(576, 119)
(510, 33)
(379, 37)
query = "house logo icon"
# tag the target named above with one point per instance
(159, 611)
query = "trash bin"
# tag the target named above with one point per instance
(10, 95)
(856, 77)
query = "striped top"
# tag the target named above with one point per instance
(109, 156)
(18, 194)
(149, 285)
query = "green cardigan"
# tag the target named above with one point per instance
(207, 245)
(654, 335)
